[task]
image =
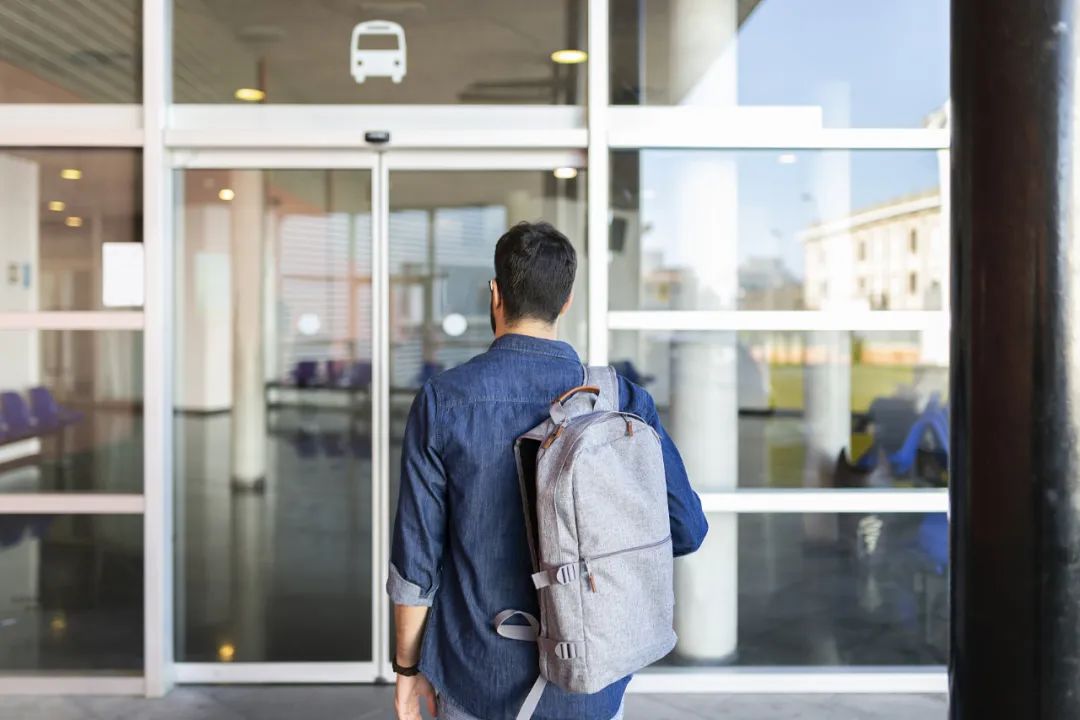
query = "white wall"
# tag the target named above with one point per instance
(19, 241)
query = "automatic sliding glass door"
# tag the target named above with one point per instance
(311, 306)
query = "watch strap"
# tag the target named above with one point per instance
(404, 671)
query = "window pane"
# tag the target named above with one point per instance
(71, 411)
(71, 593)
(470, 51)
(60, 51)
(784, 406)
(778, 230)
(828, 63)
(273, 426)
(65, 215)
(814, 590)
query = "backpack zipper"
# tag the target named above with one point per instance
(637, 548)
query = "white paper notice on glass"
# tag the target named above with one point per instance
(122, 274)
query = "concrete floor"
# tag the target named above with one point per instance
(369, 703)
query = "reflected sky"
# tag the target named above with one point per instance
(890, 59)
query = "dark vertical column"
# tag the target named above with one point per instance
(1015, 364)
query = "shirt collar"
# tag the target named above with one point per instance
(538, 346)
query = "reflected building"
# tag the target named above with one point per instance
(898, 251)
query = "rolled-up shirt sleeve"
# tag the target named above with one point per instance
(420, 525)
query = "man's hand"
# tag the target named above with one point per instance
(408, 694)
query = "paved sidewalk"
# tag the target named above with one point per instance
(374, 703)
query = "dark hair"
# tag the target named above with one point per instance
(534, 266)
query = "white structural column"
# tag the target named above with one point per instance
(827, 377)
(249, 398)
(704, 392)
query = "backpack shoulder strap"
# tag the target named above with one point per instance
(604, 377)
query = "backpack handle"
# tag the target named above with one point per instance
(574, 391)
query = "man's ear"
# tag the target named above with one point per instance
(496, 296)
(567, 304)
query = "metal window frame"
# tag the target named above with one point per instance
(193, 136)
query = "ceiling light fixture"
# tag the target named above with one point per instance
(71, 174)
(73, 221)
(569, 57)
(226, 194)
(252, 95)
(566, 173)
(56, 206)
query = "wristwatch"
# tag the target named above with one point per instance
(405, 671)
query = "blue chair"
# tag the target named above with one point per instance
(16, 415)
(630, 372)
(305, 373)
(48, 413)
(430, 370)
(359, 374)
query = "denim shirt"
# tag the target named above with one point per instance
(459, 541)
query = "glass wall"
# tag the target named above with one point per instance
(71, 593)
(830, 63)
(235, 347)
(70, 51)
(71, 412)
(463, 52)
(778, 230)
(72, 220)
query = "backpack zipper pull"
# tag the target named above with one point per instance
(588, 574)
(553, 436)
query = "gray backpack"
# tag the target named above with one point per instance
(596, 513)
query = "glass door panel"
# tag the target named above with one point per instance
(273, 453)
(443, 227)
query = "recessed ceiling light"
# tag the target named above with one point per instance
(71, 174)
(569, 57)
(250, 94)
(56, 206)
(566, 173)
(73, 221)
(787, 159)
(226, 194)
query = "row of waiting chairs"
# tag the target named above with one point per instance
(20, 420)
(332, 373)
(352, 375)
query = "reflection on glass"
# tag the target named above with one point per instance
(273, 433)
(71, 593)
(822, 409)
(71, 411)
(768, 230)
(813, 590)
(61, 209)
(57, 51)
(829, 63)
(470, 51)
